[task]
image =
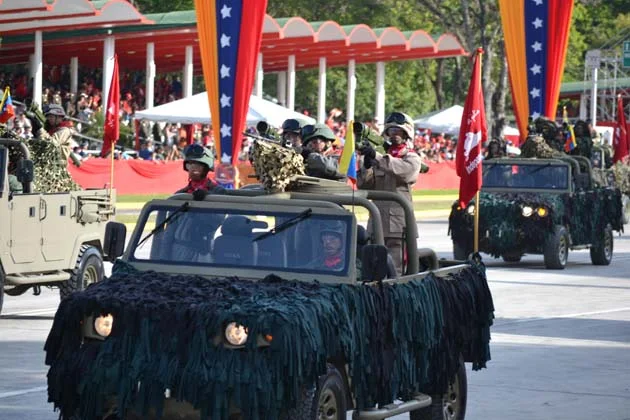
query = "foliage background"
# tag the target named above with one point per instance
(420, 86)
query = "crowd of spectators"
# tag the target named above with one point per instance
(162, 141)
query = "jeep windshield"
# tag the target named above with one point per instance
(511, 175)
(272, 241)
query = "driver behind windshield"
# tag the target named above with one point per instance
(332, 256)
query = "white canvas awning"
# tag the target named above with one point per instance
(195, 109)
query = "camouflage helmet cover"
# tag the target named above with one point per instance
(54, 109)
(400, 120)
(198, 153)
(334, 227)
(311, 131)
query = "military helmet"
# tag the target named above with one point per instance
(334, 227)
(292, 125)
(198, 153)
(311, 131)
(400, 120)
(54, 109)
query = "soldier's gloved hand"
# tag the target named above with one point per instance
(305, 153)
(36, 124)
(369, 156)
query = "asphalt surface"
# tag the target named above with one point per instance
(560, 344)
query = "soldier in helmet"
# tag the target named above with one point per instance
(199, 162)
(332, 237)
(317, 152)
(396, 170)
(291, 134)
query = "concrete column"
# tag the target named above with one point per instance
(291, 83)
(380, 94)
(352, 87)
(259, 76)
(188, 73)
(149, 91)
(321, 96)
(38, 70)
(74, 75)
(583, 110)
(281, 90)
(109, 49)
(594, 99)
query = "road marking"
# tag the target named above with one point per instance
(41, 311)
(22, 392)
(502, 338)
(577, 315)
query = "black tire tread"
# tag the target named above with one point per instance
(74, 284)
(307, 408)
(552, 261)
(435, 410)
(597, 251)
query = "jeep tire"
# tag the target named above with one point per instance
(327, 400)
(602, 249)
(460, 252)
(450, 406)
(87, 270)
(556, 249)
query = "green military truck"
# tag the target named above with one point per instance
(616, 176)
(51, 240)
(540, 206)
(234, 307)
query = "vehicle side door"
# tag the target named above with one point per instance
(25, 230)
(57, 228)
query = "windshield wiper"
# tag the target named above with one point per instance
(183, 208)
(285, 225)
(546, 165)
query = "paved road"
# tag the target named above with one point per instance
(560, 343)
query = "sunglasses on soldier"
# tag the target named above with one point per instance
(397, 118)
(195, 151)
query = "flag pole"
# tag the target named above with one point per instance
(476, 223)
(111, 172)
(4, 97)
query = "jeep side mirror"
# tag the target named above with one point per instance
(115, 235)
(374, 263)
(24, 173)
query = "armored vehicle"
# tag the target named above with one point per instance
(52, 240)
(255, 305)
(540, 206)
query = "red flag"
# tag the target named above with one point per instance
(473, 132)
(111, 130)
(620, 142)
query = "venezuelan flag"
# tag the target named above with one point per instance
(229, 40)
(6, 107)
(348, 160)
(536, 36)
(569, 143)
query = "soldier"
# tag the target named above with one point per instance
(332, 246)
(291, 135)
(318, 153)
(199, 162)
(397, 170)
(57, 130)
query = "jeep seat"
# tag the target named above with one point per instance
(235, 245)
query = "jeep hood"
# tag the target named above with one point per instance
(395, 338)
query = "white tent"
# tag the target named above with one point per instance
(195, 109)
(448, 120)
(445, 121)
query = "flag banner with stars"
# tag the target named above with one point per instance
(536, 36)
(230, 32)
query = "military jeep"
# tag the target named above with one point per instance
(615, 176)
(220, 307)
(52, 240)
(539, 206)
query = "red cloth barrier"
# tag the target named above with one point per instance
(151, 177)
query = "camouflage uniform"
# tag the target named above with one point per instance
(390, 173)
(15, 186)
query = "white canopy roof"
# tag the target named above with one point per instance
(195, 109)
(448, 120)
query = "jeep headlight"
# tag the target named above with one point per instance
(235, 334)
(470, 209)
(542, 212)
(103, 325)
(527, 211)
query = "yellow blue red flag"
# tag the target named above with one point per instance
(230, 32)
(6, 106)
(569, 143)
(348, 160)
(536, 36)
